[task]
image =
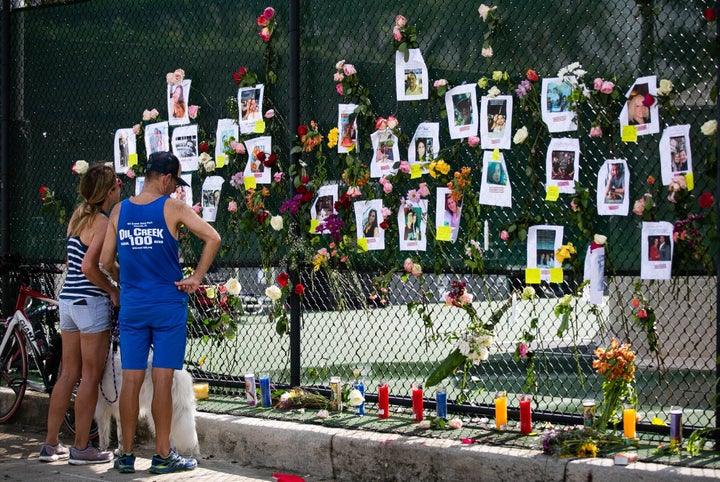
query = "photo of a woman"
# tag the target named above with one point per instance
(423, 148)
(412, 225)
(452, 211)
(654, 251)
(178, 102)
(370, 224)
(496, 174)
(637, 112)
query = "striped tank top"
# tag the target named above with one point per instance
(77, 286)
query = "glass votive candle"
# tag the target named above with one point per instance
(629, 420)
(588, 412)
(501, 410)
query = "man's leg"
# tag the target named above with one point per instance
(130, 406)
(162, 404)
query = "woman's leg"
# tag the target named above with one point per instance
(62, 391)
(94, 350)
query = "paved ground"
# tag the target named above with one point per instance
(19, 446)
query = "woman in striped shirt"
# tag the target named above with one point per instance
(86, 302)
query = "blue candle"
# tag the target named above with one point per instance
(360, 409)
(265, 390)
(441, 402)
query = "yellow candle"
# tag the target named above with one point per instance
(501, 411)
(629, 422)
(201, 391)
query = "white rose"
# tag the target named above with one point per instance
(487, 52)
(455, 423)
(424, 424)
(483, 10)
(355, 398)
(709, 128)
(493, 92)
(599, 239)
(233, 286)
(665, 87)
(80, 167)
(273, 292)
(520, 135)
(276, 222)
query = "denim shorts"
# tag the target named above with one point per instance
(162, 326)
(87, 315)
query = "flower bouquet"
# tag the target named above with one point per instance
(300, 398)
(577, 441)
(617, 364)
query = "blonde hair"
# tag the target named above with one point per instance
(94, 187)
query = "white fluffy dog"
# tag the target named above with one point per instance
(183, 436)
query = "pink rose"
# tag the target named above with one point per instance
(397, 35)
(455, 424)
(386, 212)
(504, 235)
(262, 21)
(381, 124)
(473, 141)
(269, 12)
(523, 349)
(596, 131)
(339, 65)
(278, 176)
(264, 34)
(354, 191)
(466, 298)
(146, 115)
(597, 83)
(136, 129)
(238, 147)
(270, 113)
(408, 264)
(440, 83)
(416, 270)
(423, 190)
(179, 75)
(639, 206)
(193, 111)
(387, 188)
(130, 173)
(339, 89)
(607, 87)
(400, 21)
(392, 122)
(405, 167)
(197, 208)
(349, 69)
(338, 77)
(232, 207)
(170, 78)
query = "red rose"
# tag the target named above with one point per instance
(270, 161)
(203, 146)
(305, 179)
(706, 200)
(384, 225)
(709, 14)
(260, 156)
(262, 21)
(307, 197)
(282, 279)
(302, 130)
(531, 75)
(261, 216)
(642, 314)
(299, 289)
(648, 100)
(636, 302)
(43, 192)
(238, 76)
(301, 189)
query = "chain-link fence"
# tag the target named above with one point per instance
(82, 70)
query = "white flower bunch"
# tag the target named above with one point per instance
(476, 346)
(572, 75)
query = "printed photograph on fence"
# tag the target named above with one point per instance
(496, 122)
(613, 186)
(184, 193)
(139, 183)
(462, 111)
(562, 164)
(657, 250)
(542, 243)
(641, 108)
(178, 97)
(124, 147)
(368, 218)
(495, 188)
(156, 138)
(411, 77)
(323, 206)
(185, 146)
(675, 153)
(555, 106)
(347, 127)
(425, 145)
(594, 273)
(254, 166)
(227, 132)
(386, 153)
(412, 225)
(250, 100)
(448, 212)
(211, 189)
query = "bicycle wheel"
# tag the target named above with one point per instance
(13, 373)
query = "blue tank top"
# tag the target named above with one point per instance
(148, 255)
(76, 285)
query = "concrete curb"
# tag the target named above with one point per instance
(340, 454)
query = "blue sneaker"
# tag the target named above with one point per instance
(125, 463)
(172, 463)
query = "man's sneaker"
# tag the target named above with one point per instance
(53, 453)
(125, 463)
(172, 463)
(90, 455)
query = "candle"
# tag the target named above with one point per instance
(629, 421)
(265, 390)
(417, 401)
(675, 425)
(525, 415)
(588, 412)
(383, 400)
(360, 409)
(201, 391)
(441, 402)
(486, 236)
(501, 410)
(336, 394)
(250, 390)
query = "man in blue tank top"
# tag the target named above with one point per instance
(143, 233)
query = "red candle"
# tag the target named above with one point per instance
(525, 415)
(383, 401)
(417, 402)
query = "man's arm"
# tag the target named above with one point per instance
(207, 234)
(108, 254)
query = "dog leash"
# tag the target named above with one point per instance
(112, 349)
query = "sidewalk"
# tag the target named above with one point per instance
(232, 445)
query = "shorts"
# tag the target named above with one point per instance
(162, 326)
(87, 315)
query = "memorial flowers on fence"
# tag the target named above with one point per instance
(404, 36)
(524, 350)
(51, 205)
(220, 308)
(616, 364)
